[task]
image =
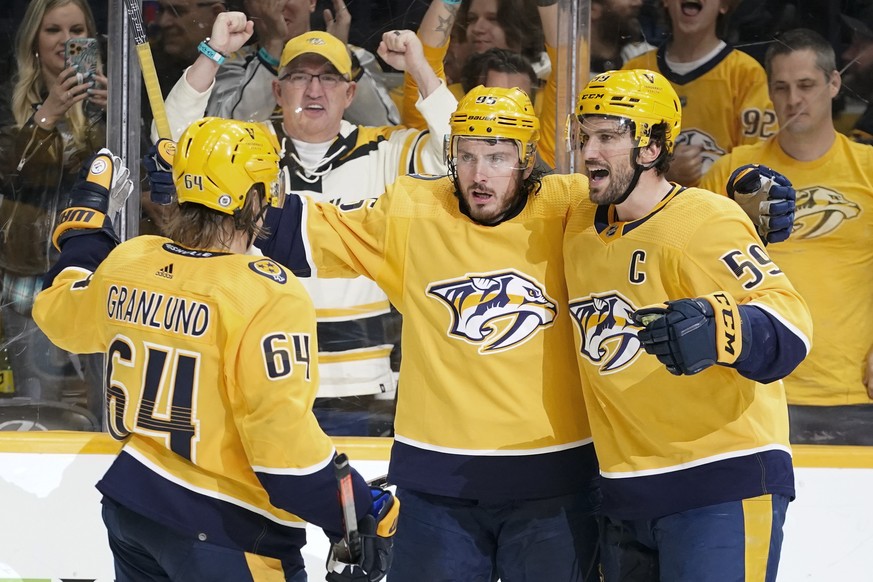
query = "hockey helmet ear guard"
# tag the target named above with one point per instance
(218, 161)
(644, 97)
(495, 113)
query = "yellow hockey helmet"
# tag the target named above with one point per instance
(218, 161)
(496, 113)
(642, 96)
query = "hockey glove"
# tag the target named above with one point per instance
(158, 163)
(100, 192)
(767, 197)
(690, 335)
(377, 537)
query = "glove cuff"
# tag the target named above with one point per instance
(745, 181)
(728, 327)
(387, 525)
(77, 217)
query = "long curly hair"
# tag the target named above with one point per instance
(29, 87)
(196, 226)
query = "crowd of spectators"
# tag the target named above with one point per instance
(712, 51)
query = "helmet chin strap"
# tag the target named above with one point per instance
(638, 171)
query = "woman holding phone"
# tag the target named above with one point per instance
(52, 117)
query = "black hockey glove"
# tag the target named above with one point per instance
(690, 335)
(767, 197)
(377, 537)
(100, 192)
(158, 163)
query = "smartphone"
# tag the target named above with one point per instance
(82, 53)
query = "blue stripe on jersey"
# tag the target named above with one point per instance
(314, 497)
(284, 241)
(359, 334)
(497, 478)
(691, 75)
(775, 349)
(136, 487)
(655, 496)
(86, 249)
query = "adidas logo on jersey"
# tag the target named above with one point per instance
(165, 272)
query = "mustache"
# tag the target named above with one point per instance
(481, 187)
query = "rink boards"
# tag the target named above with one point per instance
(51, 528)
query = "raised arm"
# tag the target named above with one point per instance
(548, 10)
(339, 21)
(187, 100)
(403, 50)
(435, 33)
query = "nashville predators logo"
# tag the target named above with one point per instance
(496, 311)
(609, 337)
(820, 211)
(711, 150)
(270, 270)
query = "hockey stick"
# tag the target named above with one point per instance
(147, 64)
(347, 502)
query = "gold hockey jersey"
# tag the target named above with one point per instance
(211, 373)
(668, 443)
(829, 258)
(490, 404)
(724, 103)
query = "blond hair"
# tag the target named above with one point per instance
(30, 87)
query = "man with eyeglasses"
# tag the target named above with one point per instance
(332, 160)
(243, 85)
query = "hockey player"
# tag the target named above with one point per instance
(693, 442)
(211, 374)
(492, 456)
(830, 395)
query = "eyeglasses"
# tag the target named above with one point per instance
(180, 10)
(301, 80)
